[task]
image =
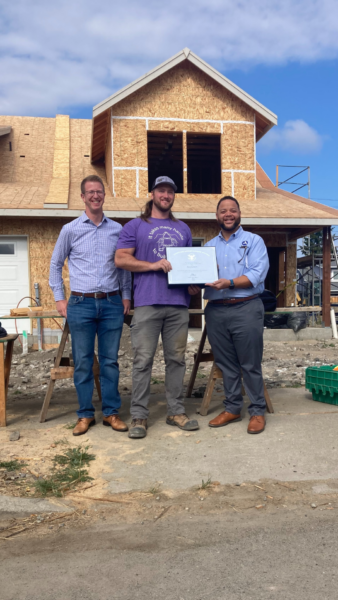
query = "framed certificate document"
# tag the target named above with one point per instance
(192, 266)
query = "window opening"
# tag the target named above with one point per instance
(165, 157)
(204, 163)
(7, 249)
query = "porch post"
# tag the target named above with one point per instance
(326, 276)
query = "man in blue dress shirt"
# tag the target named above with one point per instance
(95, 306)
(235, 315)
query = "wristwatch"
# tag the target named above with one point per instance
(232, 285)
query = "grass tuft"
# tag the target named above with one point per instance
(69, 426)
(68, 470)
(12, 465)
(154, 490)
(206, 484)
(154, 381)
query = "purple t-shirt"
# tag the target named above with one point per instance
(150, 241)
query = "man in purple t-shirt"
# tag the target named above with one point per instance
(158, 309)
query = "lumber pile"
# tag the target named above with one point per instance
(26, 311)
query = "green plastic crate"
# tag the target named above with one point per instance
(322, 382)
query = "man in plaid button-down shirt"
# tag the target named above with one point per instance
(95, 306)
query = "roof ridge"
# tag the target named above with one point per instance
(173, 61)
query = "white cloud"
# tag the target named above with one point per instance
(296, 137)
(77, 52)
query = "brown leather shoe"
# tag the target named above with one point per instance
(115, 422)
(256, 424)
(83, 425)
(224, 419)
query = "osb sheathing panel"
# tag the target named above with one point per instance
(184, 92)
(238, 147)
(43, 234)
(184, 126)
(291, 273)
(226, 184)
(244, 186)
(143, 183)
(125, 182)
(80, 165)
(206, 231)
(14, 195)
(272, 240)
(37, 148)
(129, 143)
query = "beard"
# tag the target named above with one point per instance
(229, 227)
(162, 208)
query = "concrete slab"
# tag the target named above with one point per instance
(19, 507)
(288, 335)
(299, 443)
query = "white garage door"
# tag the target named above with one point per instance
(14, 279)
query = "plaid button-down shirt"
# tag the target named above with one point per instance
(90, 250)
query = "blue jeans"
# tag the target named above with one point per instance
(86, 318)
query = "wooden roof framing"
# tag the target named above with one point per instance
(99, 135)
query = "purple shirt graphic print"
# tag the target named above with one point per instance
(150, 241)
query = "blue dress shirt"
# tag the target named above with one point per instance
(90, 250)
(243, 254)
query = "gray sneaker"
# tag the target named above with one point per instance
(183, 422)
(138, 428)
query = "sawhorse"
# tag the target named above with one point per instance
(62, 371)
(215, 373)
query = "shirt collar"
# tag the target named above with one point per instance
(84, 218)
(234, 235)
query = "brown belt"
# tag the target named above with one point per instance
(233, 300)
(95, 294)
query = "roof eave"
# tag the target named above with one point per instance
(186, 54)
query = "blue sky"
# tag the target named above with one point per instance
(64, 57)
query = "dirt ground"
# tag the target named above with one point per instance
(211, 498)
(284, 365)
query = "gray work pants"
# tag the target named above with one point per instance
(235, 333)
(147, 324)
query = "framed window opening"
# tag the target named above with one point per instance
(204, 163)
(165, 157)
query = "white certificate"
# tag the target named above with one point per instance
(192, 266)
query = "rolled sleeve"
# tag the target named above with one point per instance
(125, 283)
(258, 263)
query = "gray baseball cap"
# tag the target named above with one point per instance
(164, 179)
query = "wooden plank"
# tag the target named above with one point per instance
(326, 275)
(268, 400)
(196, 363)
(7, 338)
(209, 389)
(62, 373)
(205, 357)
(96, 371)
(19, 312)
(8, 362)
(51, 384)
(2, 388)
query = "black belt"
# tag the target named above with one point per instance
(233, 300)
(95, 294)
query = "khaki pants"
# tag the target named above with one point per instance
(147, 324)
